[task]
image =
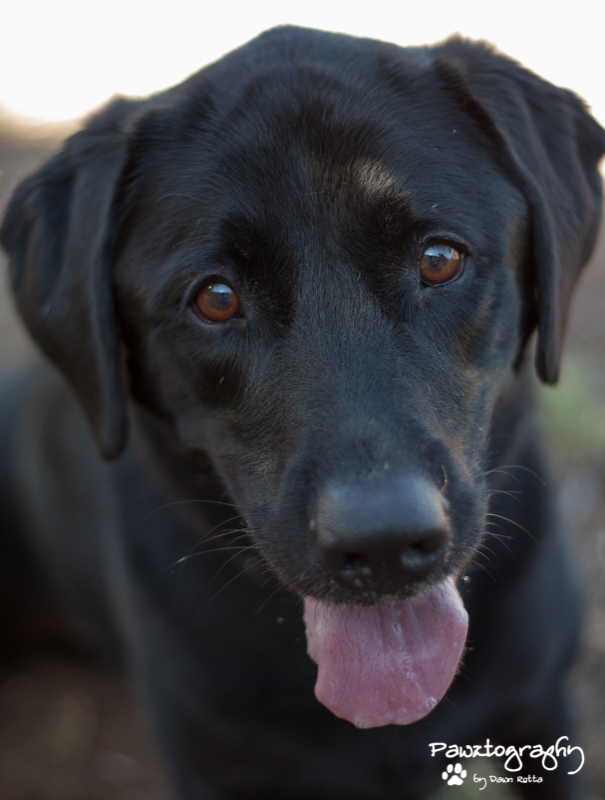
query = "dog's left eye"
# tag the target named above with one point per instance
(441, 263)
(216, 302)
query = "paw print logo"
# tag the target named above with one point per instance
(454, 775)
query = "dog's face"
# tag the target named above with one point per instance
(322, 258)
(335, 361)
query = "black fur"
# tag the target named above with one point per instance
(310, 171)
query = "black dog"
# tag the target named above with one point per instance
(307, 278)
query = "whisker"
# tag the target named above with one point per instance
(240, 548)
(224, 522)
(502, 539)
(491, 533)
(513, 466)
(512, 495)
(191, 502)
(512, 522)
(239, 574)
(483, 547)
(501, 472)
(228, 561)
(204, 540)
(273, 593)
(229, 532)
(484, 568)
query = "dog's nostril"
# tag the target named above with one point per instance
(425, 546)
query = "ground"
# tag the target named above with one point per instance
(71, 731)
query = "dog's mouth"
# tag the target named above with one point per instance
(384, 625)
(390, 663)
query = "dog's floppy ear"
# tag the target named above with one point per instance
(59, 232)
(551, 146)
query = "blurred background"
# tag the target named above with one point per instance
(69, 731)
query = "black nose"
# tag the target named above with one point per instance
(381, 536)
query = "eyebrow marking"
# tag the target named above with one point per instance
(374, 176)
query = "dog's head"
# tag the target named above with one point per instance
(321, 259)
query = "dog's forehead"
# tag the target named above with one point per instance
(306, 134)
(303, 160)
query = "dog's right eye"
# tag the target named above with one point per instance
(216, 302)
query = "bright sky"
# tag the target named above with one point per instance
(62, 58)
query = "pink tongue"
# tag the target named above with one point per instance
(390, 663)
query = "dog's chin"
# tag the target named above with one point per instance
(390, 663)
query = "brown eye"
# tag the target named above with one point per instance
(441, 263)
(216, 302)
